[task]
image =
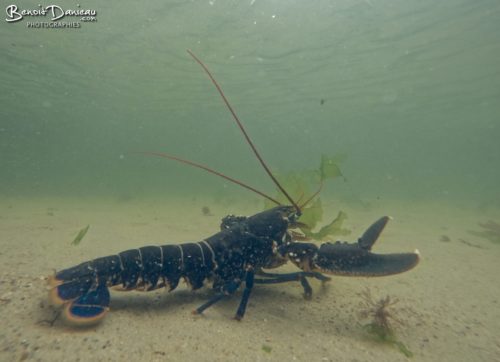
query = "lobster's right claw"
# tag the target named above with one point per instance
(356, 259)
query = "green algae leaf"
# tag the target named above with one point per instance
(299, 185)
(81, 234)
(296, 184)
(312, 215)
(329, 167)
(334, 228)
(266, 348)
(403, 349)
(382, 335)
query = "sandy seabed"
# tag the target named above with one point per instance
(449, 305)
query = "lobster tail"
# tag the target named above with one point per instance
(89, 308)
(83, 303)
(83, 289)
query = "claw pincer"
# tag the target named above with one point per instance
(352, 259)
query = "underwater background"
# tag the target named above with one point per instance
(403, 95)
(407, 91)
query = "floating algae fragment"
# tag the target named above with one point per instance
(329, 167)
(81, 235)
(266, 348)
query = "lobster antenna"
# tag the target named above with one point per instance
(313, 195)
(240, 125)
(208, 169)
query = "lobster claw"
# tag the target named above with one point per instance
(356, 259)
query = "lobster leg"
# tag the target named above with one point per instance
(274, 278)
(229, 289)
(209, 303)
(226, 290)
(249, 279)
(292, 276)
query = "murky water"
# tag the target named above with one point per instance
(407, 93)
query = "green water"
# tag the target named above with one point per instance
(408, 90)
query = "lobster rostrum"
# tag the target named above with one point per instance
(239, 254)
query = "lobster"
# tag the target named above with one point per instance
(239, 254)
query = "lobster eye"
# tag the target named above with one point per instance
(293, 216)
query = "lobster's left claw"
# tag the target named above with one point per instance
(351, 260)
(354, 259)
(357, 260)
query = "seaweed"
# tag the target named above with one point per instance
(491, 231)
(81, 234)
(267, 348)
(299, 185)
(331, 229)
(383, 317)
(329, 167)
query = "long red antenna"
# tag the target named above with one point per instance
(240, 125)
(208, 169)
(313, 195)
